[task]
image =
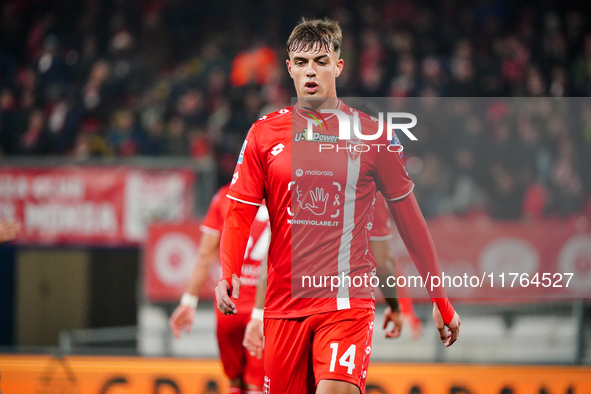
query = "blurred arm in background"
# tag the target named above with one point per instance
(253, 335)
(9, 230)
(184, 314)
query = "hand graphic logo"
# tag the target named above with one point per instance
(318, 200)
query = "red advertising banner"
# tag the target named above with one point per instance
(93, 205)
(482, 258)
(169, 256)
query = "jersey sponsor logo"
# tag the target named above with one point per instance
(319, 173)
(311, 222)
(310, 136)
(242, 152)
(319, 202)
(277, 149)
(299, 172)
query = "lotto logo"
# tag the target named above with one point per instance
(267, 385)
(277, 149)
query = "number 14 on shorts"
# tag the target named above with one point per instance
(346, 360)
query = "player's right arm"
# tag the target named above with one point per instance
(396, 187)
(184, 314)
(232, 248)
(246, 195)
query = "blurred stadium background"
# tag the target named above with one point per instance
(119, 119)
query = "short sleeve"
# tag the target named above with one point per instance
(248, 179)
(213, 223)
(391, 176)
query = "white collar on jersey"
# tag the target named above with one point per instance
(303, 115)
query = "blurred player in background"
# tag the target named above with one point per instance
(244, 371)
(9, 230)
(319, 344)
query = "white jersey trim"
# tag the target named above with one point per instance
(209, 230)
(344, 257)
(382, 238)
(343, 303)
(246, 202)
(401, 197)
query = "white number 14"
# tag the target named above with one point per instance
(346, 360)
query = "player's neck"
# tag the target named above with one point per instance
(317, 104)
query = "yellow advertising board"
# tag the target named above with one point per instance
(129, 375)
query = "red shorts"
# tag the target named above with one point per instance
(235, 359)
(301, 352)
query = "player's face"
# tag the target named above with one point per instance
(314, 72)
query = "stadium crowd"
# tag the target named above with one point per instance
(188, 78)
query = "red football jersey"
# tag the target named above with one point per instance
(320, 193)
(258, 243)
(381, 224)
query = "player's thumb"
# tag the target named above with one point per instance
(438, 320)
(236, 286)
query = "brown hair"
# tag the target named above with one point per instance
(316, 34)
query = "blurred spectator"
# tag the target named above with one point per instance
(159, 77)
(124, 135)
(257, 65)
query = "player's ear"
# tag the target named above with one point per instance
(288, 64)
(339, 68)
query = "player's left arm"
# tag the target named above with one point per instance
(385, 268)
(416, 236)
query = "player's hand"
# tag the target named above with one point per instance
(253, 338)
(182, 318)
(222, 295)
(396, 318)
(447, 338)
(9, 230)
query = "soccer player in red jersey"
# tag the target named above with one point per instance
(318, 336)
(244, 371)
